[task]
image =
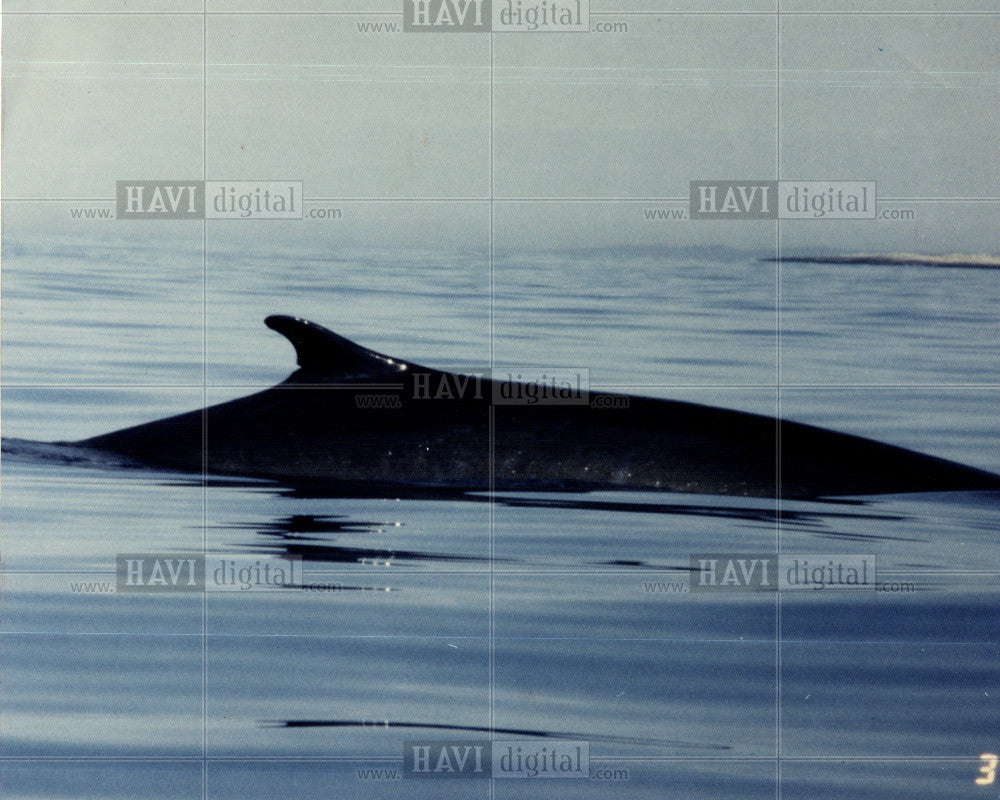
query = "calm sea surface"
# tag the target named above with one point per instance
(564, 615)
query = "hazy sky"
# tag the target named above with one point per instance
(573, 136)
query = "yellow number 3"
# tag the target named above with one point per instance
(989, 769)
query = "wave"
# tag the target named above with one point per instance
(532, 732)
(949, 260)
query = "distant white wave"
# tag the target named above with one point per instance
(967, 261)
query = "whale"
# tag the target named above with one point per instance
(351, 416)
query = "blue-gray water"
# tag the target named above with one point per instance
(554, 613)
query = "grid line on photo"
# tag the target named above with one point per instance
(666, 13)
(446, 638)
(491, 446)
(637, 759)
(204, 405)
(506, 199)
(598, 570)
(779, 508)
(597, 387)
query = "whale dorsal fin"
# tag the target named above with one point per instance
(324, 355)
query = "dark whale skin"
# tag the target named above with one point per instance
(312, 428)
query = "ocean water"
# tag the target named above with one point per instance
(538, 616)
